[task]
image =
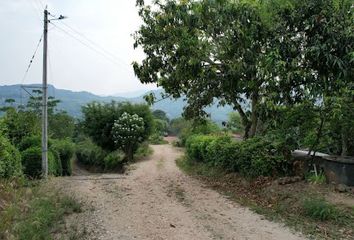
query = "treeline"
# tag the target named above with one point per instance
(20, 140)
(108, 136)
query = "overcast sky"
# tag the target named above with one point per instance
(108, 23)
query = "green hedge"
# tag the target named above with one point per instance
(10, 160)
(254, 157)
(32, 162)
(66, 150)
(30, 148)
(30, 141)
(88, 153)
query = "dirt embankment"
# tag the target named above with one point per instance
(155, 200)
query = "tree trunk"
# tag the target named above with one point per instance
(318, 137)
(129, 153)
(244, 119)
(254, 116)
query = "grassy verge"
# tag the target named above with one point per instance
(32, 210)
(301, 205)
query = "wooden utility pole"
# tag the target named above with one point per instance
(45, 100)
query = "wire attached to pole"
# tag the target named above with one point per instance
(31, 61)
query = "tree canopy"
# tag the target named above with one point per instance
(254, 52)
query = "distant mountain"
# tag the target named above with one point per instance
(72, 102)
(132, 94)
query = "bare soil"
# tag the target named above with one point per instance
(155, 200)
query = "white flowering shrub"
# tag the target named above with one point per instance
(128, 131)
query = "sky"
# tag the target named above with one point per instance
(105, 25)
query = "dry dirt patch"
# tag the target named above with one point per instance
(156, 200)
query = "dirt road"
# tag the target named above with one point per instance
(155, 200)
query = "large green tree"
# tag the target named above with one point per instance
(206, 50)
(250, 54)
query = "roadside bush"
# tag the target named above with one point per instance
(55, 167)
(252, 158)
(20, 124)
(143, 150)
(114, 160)
(196, 147)
(203, 127)
(32, 162)
(65, 149)
(30, 141)
(10, 160)
(223, 153)
(88, 153)
(157, 139)
(260, 156)
(319, 209)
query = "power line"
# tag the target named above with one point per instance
(93, 43)
(107, 57)
(40, 3)
(38, 7)
(31, 61)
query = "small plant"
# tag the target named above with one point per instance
(143, 150)
(70, 205)
(114, 160)
(319, 209)
(316, 179)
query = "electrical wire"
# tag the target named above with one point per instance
(40, 3)
(104, 55)
(36, 10)
(37, 6)
(31, 61)
(93, 43)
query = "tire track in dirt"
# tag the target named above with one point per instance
(155, 200)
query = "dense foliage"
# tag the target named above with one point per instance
(32, 162)
(256, 56)
(10, 160)
(22, 128)
(128, 131)
(98, 121)
(90, 154)
(252, 158)
(66, 149)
